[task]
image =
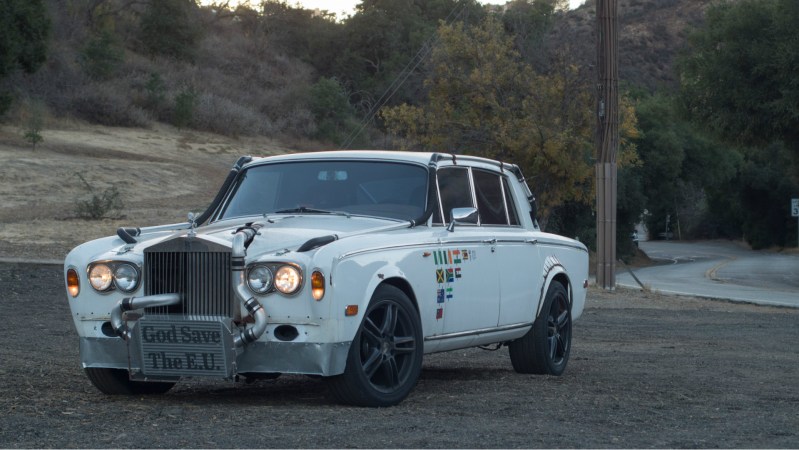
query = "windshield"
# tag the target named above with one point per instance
(371, 188)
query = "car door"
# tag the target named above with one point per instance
(465, 263)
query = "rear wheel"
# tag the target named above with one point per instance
(117, 382)
(545, 348)
(385, 357)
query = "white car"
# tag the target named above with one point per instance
(346, 265)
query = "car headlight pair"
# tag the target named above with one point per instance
(105, 276)
(263, 278)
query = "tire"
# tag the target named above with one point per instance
(117, 382)
(385, 357)
(545, 349)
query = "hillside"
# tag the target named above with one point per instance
(160, 173)
(651, 35)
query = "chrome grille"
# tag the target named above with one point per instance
(197, 270)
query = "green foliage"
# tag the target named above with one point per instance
(33, 136)
(24, 29)
(5, 103)
(185, 105)
(528, 21)
(97, 204)
(102, 56)
(314, 38)
(166, 28)
(383, 36)
(681, 172)
(739, 75)
(33, 119)
(332, 111)
(738, 80)
(155, 89)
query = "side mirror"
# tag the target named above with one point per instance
(462, 216)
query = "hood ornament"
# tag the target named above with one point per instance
(192, 225)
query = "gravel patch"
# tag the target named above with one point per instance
(646, 371)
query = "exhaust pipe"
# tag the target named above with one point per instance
(131, 303)
(241, 241)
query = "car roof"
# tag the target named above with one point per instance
(425, 158)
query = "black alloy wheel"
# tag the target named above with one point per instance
(385, 357)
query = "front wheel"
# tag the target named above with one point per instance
(385, 357)
(545, 348)
(117, 382)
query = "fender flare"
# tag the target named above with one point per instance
(375, 279)
(552, 268)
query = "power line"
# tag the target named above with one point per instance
(406, 72)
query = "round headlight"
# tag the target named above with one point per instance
(259, 279)
(126, 277)
(287, 279)
(100, 277)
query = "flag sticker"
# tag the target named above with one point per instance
(440, 276)
(439, 313)
(440, 296)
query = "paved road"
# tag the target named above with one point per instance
(719, 269)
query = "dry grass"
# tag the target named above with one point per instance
(162, 173)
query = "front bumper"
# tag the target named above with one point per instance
(325, 359)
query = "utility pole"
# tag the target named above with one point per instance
(607, 141)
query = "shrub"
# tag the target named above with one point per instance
(101, 57)
(96, 205)
(185, 104)
(107, 104)
(221, 115)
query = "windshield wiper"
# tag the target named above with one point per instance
(306, 210)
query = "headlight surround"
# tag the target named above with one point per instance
(259, 279)
(101, 277)
(126, 277)
(288, 279)
(105, 276)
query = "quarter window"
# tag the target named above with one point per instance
(490, 200)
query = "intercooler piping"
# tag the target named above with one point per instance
(131, 303)
(241, 240)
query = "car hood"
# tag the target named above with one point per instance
(279, 233)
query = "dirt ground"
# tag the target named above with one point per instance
(646, 371)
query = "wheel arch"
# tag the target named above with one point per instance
(403, 285)
(554, 272)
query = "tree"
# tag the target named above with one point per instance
(739, 76)
(102, 55)
(484, 100)
(738, 80)
(24, 29)
(331, 109)
(528, 21)
(683, 171)
(384, 36)
(167, 28)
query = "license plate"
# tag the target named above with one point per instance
(185, 348)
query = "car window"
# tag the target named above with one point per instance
(454, 190)
(371, 188)
(490, 199)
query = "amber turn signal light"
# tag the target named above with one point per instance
(317, 285)
(351, 310)
(73, 284)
